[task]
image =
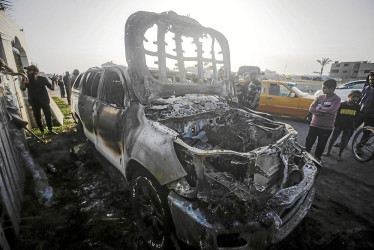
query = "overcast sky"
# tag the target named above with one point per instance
(287, 36)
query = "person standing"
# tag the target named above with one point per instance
(71, 82)
(66, 80)
(248, 93)
(38, 96)
(220, 77)
(60, 83)
(324, 110)
(366, 115)
(345, 122)
(254, 90)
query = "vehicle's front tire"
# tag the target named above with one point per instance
(151, 210)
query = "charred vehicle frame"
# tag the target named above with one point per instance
(200, 166)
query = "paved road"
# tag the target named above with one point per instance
(362, 171)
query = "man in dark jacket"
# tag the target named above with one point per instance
(66, 80)
(248, 93)
(38, 96)
(366, 115)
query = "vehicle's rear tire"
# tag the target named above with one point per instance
(151, 210)
(363, 152)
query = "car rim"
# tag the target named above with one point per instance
(149, 210)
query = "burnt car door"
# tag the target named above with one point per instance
(109, 116)
(87, 100)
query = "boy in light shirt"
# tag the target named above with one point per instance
(324, 110)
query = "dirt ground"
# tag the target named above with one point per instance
(91, 204)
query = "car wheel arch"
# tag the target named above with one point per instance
(161, 193)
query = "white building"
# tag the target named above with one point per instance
(13, 50)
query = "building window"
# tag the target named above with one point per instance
(337, 65)
(344, 71)
(346, 64)
(367, 71)
(335, 71)
(356, 71)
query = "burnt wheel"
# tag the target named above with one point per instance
(151, 210)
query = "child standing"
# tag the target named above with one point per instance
(324, 109)
(345, 119)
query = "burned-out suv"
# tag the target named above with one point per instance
(201, 167)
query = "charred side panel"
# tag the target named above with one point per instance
(151, 144)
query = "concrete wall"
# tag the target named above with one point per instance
(11, 35)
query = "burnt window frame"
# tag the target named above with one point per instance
(77, 82)
(161, 73)
(105, 92)
(86, 89)
(88, 83)
(96, 83)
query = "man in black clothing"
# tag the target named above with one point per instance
(66, 80)
(38, 96)
(248, 93)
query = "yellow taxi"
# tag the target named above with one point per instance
(282, 98)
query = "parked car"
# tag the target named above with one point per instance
(284, 98)
(200, 166)
(343, 90)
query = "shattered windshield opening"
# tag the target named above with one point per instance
(171, 55)
(176, 55)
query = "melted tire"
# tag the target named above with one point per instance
(151, 210)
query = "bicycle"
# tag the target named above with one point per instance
(363, 144)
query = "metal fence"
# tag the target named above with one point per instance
(11, 176)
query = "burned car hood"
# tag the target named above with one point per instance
(246, 161)
(210, 123)
(169, 54)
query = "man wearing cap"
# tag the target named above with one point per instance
(38, 96)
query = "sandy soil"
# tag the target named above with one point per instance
(91, 208)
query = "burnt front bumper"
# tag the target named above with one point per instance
(193, 228)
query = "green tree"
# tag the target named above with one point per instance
(323, 63)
